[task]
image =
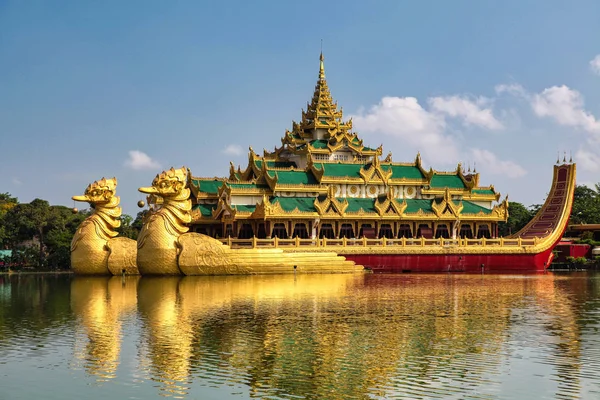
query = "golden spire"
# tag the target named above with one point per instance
(322, 111)
(321, 67)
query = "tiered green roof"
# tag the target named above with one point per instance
(294, 177)
(303, 166)
(340, 169)
(204, 209)
(447, 181)
(207, 186)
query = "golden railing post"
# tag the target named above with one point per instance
(383, 241)
(519, 242)
(441, 241)
(501, 242)
(253, 242)
(422, 241)
(344, 241)
(403, 241)
(297, 241)
(364, 241)
(276, 241)
(324, 242)
(483, 241)
(229, 240)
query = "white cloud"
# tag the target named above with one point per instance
(595, 64)
(493, 165)
(403, 117)
(511, 88)
(233, 150)
(588, 160)
(17, 181)
(139, 160)
(471, 112)
(566, 107)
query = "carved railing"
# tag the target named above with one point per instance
(383, 242)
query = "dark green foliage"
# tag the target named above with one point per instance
(39, 234)
(586, 206)
(518, 217)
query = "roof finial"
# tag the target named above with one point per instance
(571, 156)
(321, 64)
(557, 157)
(565, 157)
(474, 167)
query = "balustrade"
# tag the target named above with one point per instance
(382, 242)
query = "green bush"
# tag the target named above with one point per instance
(591, 242)
(581, 260)
(587, 235)
(570, 259)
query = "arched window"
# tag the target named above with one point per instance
(326, 231)
(466, 231)
(300, 231)
(442, 231)
(347, 231)
(424, 231)
(405, 231)
(385, 230)
(279, 231)
(483, 231)
(246, 232)
(262, 231)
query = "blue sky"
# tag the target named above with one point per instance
(85, 86)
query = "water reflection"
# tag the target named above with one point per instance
(100, 304)
(322, 336)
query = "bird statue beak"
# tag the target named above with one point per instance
(81, 198)
(149, 190)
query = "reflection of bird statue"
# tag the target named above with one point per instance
(100, 304)
(157, 241)
(95, 249)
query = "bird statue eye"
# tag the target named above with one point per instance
(163, 184)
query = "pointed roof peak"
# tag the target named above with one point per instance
(321, 67)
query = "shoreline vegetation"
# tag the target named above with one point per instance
(36, 237)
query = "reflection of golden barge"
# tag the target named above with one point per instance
(323, 201)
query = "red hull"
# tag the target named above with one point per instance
(454, 263)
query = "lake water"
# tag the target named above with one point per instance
(301, 337)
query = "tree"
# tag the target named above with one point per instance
(52, 226)
(139, 220)
(7, 202)
(126, 229)
(518, 217)
(586, 205)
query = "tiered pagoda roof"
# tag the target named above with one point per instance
(302, 178)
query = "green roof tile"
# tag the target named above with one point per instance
(244, 207)
(472, 208)
(319, 144)
(483, 191)
(247, 185)
(447, 181)
(294, 177)
(414, 205)
(354, 205)
(280, 164)
(404, 171)
(340, 170)
(205, 209)
(207, 186)
(291, 203)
